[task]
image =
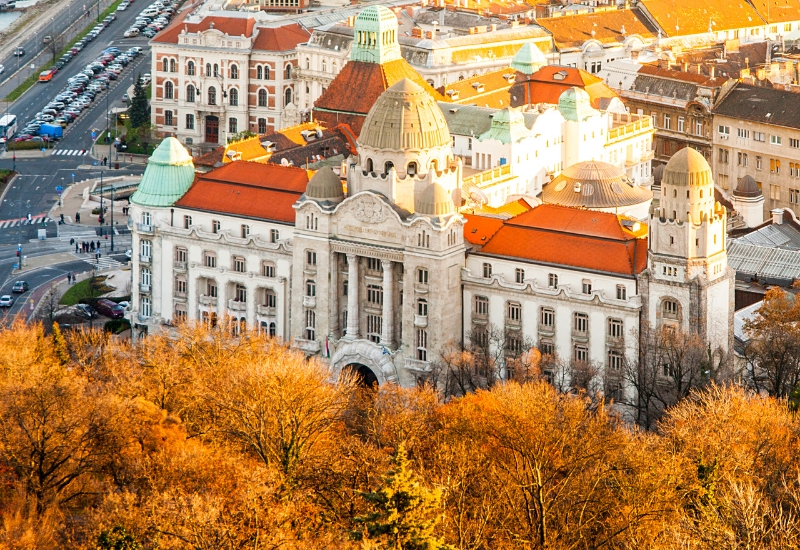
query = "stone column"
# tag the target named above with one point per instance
(388, 305)
(352, 296)
(333, 293)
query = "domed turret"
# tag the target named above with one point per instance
(508, 126)
(434, 201)
(687, 167)
(405, 117)
(375, 36)
(325, 185)
(169, 174)
(528, 59)
(747, 188)
(575, 104)
(687, 188)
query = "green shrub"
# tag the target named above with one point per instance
(28, 145)
(85, 291)
(117, 326)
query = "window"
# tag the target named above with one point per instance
(187, 222)
(723, 156)
(552, 280)
(794, 196)
(167, 118)
(373, 264)
(274, 235)
(190, 122)
(168, 90)
(698, 128)
(181, 254)
(267, 269)
(172, 66)
(270, 299)
(742, 159)
(374, 328)
(724, 130)
(311, 324)
(422, 308)
(311, 258)
(233, 125)
(239, 264)
(422, 344)
(190, 68)
(234, 72)
(240, 293)
(145, 309)
(288, 72)
(667, 122)
(514, 312)
(145, 277)
(759, 163)
(759, 136)
(743, 133)
(216, 70)
(547, 317)
(614, 360)
(208, 69)
(262, 125)
(266, 72)
(622, 292)
(487, 271)
(216, 225)
(794, 143)
(180, 313)
(245, 231)
(615, 328)
(233, 97)
(375, 295)
(262, 98)
(580, 354)
(774, 140)
(519, 275)
(587, 286)
(209, 259)
(775, 166)
(212, 95)
(580, 322)
(311, 288)
(146, 248)
(259, 72)
(669, 309)
(287, 95)
(211, 289)
(546, 347)
(481, 306)
(165, 65)
(774, 192)
(681, 124)
(190, 93)
(422, 276)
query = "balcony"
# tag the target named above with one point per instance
(421, 321)
(179, 266)
(480, 319)
(266, 311)
(513, 323)
(144, 228)
(308, 346)
(180, 295)
(145, 259)
(207, 300)
(420, 288)
(547, 330)
(309, 301)
(580, 335)
(237, 306)
(418, 366)
(143, 287)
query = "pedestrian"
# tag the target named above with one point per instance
(68, 278)
(72, 241)
(77, 217)
(91, 248)
(98, 245)
(76, 248)
(73, 277)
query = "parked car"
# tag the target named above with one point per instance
(6, 300)
(86, 311)
(23, 137)
(19, 287)
(130, 33)
(110, 309)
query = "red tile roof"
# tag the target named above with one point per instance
(233, 26)
(570, 237)
(548, 83)
(683, 76)
(479, 229)
(280, 39)
(572, 31)
(249, 189)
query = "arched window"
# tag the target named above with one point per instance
(412, 168)
(208, 69)
(172, 66)
(216, 69)
(259, 72)
(165, 65)
(369, 165)
(190, 68)
(288, 96)
(669, 309)
(190, 93)
(388, 166)
(233, 97)
(212, 95)
(168, 90)
(288, 71)
(434, 165)
(234, 71)
(266, 72)
(701, 193)
(262, 98)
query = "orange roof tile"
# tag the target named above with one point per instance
(486, 90)
(573, 31)
(479, 229)
(233, 26)
(249, 149)
(548, 83)
(280, 39)
(687, 18)
(684, 76)
(779, 11)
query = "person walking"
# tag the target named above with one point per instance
(76, 248)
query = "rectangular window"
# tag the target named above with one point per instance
(267, 269)
(622, 292)
(615, 328)
(580, 354)
(759, 136)
(759, 163)
(580, 322)
(422, 308)
(422, 344)
(373, 264)
(743, 133)
(270, 299)
(698, 128)
(245, 231)
(211, 289)
(614, 360)
(519, 275)
(681, 124)
(775, 140)
(311, 324)
(181, 254)
(587, 286)
(239, 264)
(374, 328)
(724, 130)
(742, 159)
(311, 288)
(514, 312)
(487, 271)
(274, 235)
(240, 293)
(209, 259)
(794, 143)
(375, 295)
(546, 347)
(552, 280)
(774, 192)
(667, 122)
(233, 125)
(422, 276)
(187, 222)
(481, 306)
(190, 122)
(723, 156)
(168, 118)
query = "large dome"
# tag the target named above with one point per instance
(169, 174)
(404, 117)
(687, 167)
(325, 185)
(594, 185)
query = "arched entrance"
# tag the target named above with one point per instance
(365, 358)
(363, 375)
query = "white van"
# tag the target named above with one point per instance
(131, 32)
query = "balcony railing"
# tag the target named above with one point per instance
(143, 287)
(179, 266)
(309, 301)
(417, 365)
(308, 346)
(144, 228)
(238, 306)
(207, 300)
(420, 321)
(267, 311)
(145, 259)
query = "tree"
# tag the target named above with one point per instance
(405, 513)
(50, 305)
(145, 134)
(54, 46)
(139, 110)
(117, 539)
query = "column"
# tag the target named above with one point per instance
(352, 296)
(333, 293)
(388, 305)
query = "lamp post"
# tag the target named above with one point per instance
(19, 230)
(112, 217)
(102, 215)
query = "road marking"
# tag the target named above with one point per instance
(103, 263)
(70, 152)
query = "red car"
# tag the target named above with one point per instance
(23, 137)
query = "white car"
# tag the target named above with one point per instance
(6, 300)
(2, 69)
(122, 7)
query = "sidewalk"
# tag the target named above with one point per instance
(77, 199)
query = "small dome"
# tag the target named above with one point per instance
(169, 174)
(594, 185)
(325, 185)
(528, 59)
(508, 126)
(575, 104)
(687, 167)
(375, 36)
(434, 201)
(404, 117)
(747, 187)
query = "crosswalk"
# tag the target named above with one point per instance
(70, 152)
(103, 263)
(4, 224)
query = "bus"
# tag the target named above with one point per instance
(45, 76)
(8, 127)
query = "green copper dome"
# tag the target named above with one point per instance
(575, 104)
(528, 59)
(375, 36)
(169, 174)
(508, 126)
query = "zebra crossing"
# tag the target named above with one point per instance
(103, 263)
(4, 224)
(70, 152)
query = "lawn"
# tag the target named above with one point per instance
(88, 288)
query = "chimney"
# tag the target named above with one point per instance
(686, 66)
(777, 216)
(699, 68)
(493, 27)
(712, 72)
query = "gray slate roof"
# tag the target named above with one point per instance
(771, 253)
(469, 120)
(765, 105)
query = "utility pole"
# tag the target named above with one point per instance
(112, 217)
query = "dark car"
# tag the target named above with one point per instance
(110, 309)
(19, 52)
(19, 287)
(85, 311)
